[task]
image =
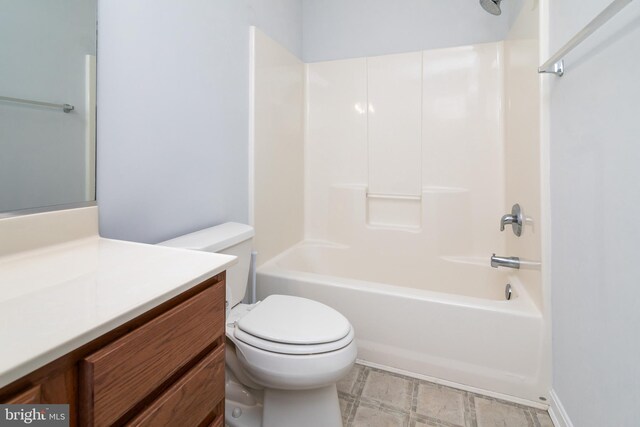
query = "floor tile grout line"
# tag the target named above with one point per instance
(411, 416)
(533, 419)
(358, 385)
(414, 396)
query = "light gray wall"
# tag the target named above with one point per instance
(173, 111)
(42, 57)
(338, 29)
(595, 204)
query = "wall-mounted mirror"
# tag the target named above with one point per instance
(47, 103)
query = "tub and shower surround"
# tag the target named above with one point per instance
(405, 180)
(430, 148)
(413, 132)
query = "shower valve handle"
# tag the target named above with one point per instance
(507, 219)
(515, 219)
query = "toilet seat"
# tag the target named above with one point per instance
(293, 325)
(293, 349)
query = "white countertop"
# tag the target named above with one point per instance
(57, 298)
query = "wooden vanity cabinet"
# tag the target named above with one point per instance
(165, 367)
(32, 396)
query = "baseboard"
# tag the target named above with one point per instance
(557, 412)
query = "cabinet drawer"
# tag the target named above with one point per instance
(218, 422)
(117, 377)
(191, 399)
(31, 396)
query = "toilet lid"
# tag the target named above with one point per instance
(294, 349)
(294, 320)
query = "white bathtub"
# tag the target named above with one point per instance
(445, 320)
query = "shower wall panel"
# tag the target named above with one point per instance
(278, 148)
(395, 130)
(522, 136)
(394, 84)
(336, 135)
(462, 138)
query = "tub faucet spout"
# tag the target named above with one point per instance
(505, 261)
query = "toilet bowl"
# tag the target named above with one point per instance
(295, 350)
(284, 354)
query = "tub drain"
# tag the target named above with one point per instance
(507, 292)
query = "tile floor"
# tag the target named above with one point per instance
(372, 397)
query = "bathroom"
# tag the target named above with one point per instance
(358, 161)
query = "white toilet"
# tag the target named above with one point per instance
(285, 354)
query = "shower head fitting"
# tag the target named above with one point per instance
(491, 6)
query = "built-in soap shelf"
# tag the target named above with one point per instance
(397, 211)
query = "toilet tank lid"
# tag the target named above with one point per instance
(213, 239)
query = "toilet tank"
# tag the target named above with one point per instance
(230, 238)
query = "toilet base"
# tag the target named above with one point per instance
(282, 408)
(294, 408)
(242, 415)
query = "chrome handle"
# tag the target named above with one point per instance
(515, 219)
(507, 219)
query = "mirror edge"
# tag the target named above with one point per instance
(52, 208)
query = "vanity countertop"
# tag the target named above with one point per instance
(58, 298)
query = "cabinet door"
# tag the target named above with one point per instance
(56, 388)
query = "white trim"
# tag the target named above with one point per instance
(305, 149)
(459, 386)
(252, 123)
(545, 196)
(90, 128)
(557, 412)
